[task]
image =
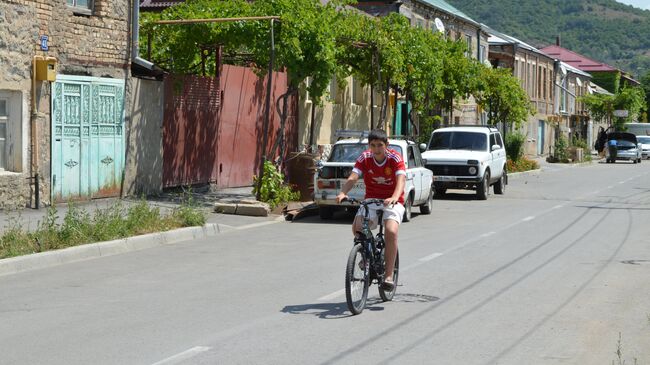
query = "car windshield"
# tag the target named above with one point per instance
(349, 152)
(643, 139)
(458, 141)
(625, 144)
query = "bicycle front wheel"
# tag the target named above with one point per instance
(356, 280)
(387, 295)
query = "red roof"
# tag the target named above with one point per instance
(576, 60)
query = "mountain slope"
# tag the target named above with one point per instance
(604, 30)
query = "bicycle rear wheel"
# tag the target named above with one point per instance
(356, 280)
(387, 295)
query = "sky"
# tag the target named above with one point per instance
(643, 4)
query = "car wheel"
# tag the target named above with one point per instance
(500, 186)
(428, 206)
(325, 212)
(483, 188)
(635, 161)
(408, 207)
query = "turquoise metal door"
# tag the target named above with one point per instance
(87, 137)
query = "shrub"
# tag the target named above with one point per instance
(561, 154)
(523, 164)
(273, 190)
(515, 145)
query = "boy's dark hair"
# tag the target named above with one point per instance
(378, 134)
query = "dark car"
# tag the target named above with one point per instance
(622, 146)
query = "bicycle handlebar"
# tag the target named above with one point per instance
(364, 202)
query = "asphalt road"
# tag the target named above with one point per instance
(552, 272)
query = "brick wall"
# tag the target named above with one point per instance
(96, 44)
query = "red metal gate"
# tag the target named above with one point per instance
(213, 127)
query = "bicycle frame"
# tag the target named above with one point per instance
(372, 245)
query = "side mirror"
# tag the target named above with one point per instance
(495, 147)
(423, 147)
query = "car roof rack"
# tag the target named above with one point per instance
(472, 125)
(350, 133)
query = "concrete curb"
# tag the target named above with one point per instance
(94, 250)
(243, 207)
(517, 175)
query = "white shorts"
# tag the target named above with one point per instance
(395, 213)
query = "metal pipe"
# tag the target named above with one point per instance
(216, 20)
(267, 116)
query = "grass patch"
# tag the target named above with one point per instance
(80, 227)
(522, 164)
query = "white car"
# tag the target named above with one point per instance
(467, 157)
(331, 175)
(645, 145)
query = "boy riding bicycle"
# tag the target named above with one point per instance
(384, 175)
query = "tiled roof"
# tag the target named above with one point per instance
(158, 4)
(576, 60)
(443, 5)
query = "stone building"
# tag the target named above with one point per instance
(536, 74)
(64, 73)
(438, 15)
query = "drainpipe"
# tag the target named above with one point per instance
(33, 138)
(135, 34)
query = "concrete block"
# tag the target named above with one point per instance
(257, 210)
(225, 208)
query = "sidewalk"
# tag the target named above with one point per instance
(216, 224)
(205, 198)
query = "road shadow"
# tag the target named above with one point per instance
(461, 196)
(341, 217)
(340, 310)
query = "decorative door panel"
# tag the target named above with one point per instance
(87, 137)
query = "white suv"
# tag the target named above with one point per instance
(467, 157)
(331, 176)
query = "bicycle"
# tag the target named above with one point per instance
(366, 262)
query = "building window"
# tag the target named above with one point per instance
(307, 83)
(468, 39)
(11, 151)
(333, 89)
(81, 6)
(4, 117)
(357, 91)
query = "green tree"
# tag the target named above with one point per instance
(645, 84)
(601, 107)
(501, 95)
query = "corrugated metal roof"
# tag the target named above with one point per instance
(443, 5)
(576, 60)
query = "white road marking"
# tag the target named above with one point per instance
(430, 257)
(247, 226)
(528, 218)
(331, 296)
(609, 187)
(183, 355)
(488, 234)
(558, 207)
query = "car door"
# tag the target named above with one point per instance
(413, 175)
(502, 153)
(426, 179)
(496, 162)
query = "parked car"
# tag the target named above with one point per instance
(627, 147)
(645, 146)
(467, 157)
(331, 175)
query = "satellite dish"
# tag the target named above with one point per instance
(439, 25)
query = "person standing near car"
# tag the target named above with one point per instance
(384, 174)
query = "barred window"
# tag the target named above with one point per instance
(81, 6)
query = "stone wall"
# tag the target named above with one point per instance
(95, 44)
